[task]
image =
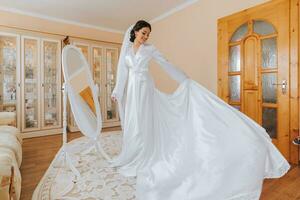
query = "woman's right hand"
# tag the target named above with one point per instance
(114, 99)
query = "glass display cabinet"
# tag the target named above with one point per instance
(31, 80)
(41, 88)
(103, 60)
(9, 73)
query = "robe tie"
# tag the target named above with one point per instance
(139, 74)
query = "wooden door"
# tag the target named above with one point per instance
(253, 67)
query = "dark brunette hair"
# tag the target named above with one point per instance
(138, 25)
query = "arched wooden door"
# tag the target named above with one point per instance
(253, 67)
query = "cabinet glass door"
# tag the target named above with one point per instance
(51, 83)
(110, 78)
(9, 61)
(97, 61)
(30, 67)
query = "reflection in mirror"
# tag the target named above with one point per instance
(80, 89)
(73, 61)
(85, 50)
(87, 96)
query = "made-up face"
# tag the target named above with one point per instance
(142, 35)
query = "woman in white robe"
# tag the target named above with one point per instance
(188, 145)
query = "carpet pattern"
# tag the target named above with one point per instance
(98, 180)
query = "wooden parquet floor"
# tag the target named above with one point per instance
(39, 152)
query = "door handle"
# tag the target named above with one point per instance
(283, 86)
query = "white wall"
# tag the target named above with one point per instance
(188, 38)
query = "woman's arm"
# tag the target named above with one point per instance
(122, 74)
(173, 71)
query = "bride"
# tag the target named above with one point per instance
(188, 145)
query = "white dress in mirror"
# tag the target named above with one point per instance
(188, 145)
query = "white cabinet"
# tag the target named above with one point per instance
(103, 59)
(41, 84)
(30, 74)
(30, 82)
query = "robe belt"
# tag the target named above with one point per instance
(139, 74)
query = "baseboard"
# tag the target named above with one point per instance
(41, 133)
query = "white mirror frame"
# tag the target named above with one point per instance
(83, 120)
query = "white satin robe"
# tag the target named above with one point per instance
(188, 145)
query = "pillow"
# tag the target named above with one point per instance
(9, 172)
(10, 142)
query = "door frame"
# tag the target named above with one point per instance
(294, 85)
(294, 78)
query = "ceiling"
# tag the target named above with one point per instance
(110, 15)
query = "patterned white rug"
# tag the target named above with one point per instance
(98, 180)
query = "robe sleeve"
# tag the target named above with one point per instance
(122, 75)
(173, 71)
